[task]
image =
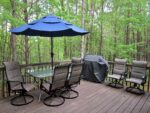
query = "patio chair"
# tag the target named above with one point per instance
(76, 60)
(137, 77)
(17, 84)
(54, 87)
(74, 80)
(118, 73)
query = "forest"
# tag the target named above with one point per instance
(117, 28)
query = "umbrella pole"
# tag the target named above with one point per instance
(52, 54)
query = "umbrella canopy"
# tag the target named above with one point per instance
(49, 26)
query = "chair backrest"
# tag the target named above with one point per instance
(138, 69)
(13, 73)
(76, 60)
(75, 74)
(60, 76)
(119, 66)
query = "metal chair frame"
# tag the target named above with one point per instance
(22, 92)
(69, 86)
(135, 87)
(55, 93)
(115, 82)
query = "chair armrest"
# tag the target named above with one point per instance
(21, 83)
(15, 81)
(25, 78)
(45, 81)
(48, 82)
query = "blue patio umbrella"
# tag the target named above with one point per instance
(49, 26)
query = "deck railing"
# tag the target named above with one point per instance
(3, 84)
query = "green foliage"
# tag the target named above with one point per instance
(115, 20)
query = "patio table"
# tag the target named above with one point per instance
(41, 74)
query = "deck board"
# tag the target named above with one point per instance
(140, 104)
(116, 106)
(126, 104)
(93, 98)
(109, 97)
(135, 101)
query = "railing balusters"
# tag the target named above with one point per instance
(3, 84)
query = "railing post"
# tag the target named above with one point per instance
(148, 79)
(3, 85)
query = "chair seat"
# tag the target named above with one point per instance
(46, 86)
(115, 76)
(56, 85)
(134, 80)
(27, 87)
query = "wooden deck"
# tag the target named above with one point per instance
(93, 98)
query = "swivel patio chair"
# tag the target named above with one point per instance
(16, 84)
(118, 73)
(73, 81)
(54, 87)
(137, 77)
(76, 60)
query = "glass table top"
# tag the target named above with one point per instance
(41, 73)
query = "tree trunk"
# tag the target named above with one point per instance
(76, 4)
(127, 29)
(91, 28)
(138, 45)
(148, 46)
(13, 37)
(65, 48)
(70, 54)
(127, 34)
(115, 40)
(4, 41)
(101, 29)
(26, 38)
(147, 38)
(39, 50)
(65, 40)
(134, 41)
(82, 24)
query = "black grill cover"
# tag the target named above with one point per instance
(94, 68)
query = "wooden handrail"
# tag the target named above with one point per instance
(3, 85)
(111, 62)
